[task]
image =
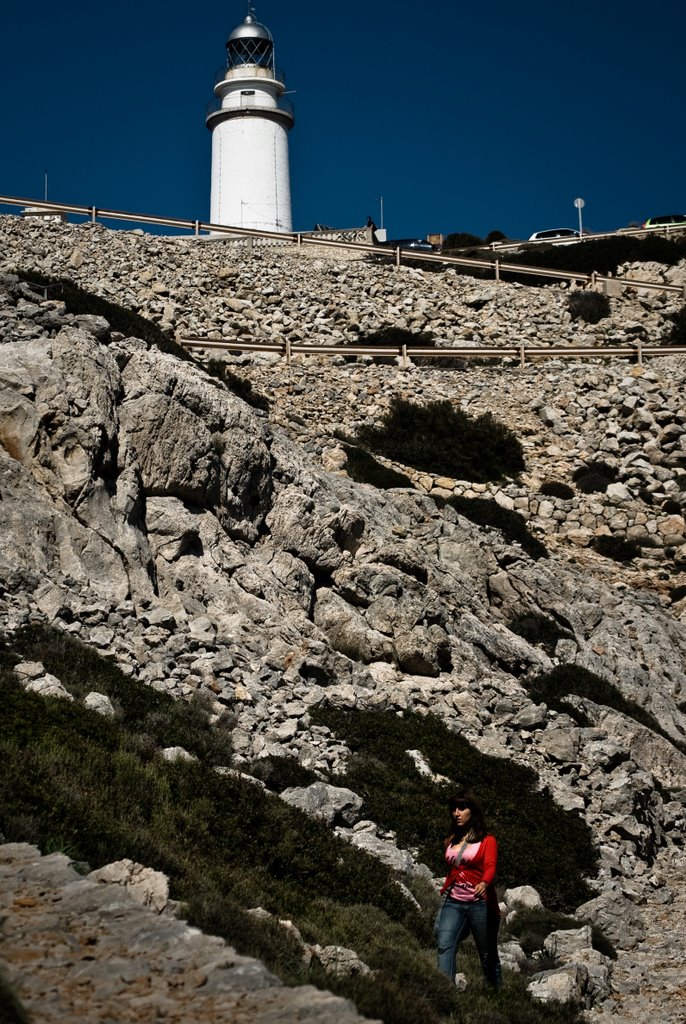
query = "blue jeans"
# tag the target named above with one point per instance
(456, 919)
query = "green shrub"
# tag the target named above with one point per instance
(552, 687)
(677, 594)
(539, 629)
(487, 512)
(671, 507)
(591, 307)
(390, 335)
(365, 469)
(618, 548)
(440, 438)
(594, 477)
(157, 718)
(462, 240)
(677, 334)
(279, 773)
(397, 797)
(556, 489)
(396, 337)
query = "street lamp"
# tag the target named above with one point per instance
(580, 203)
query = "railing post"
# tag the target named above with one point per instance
(94, 214)
(288, 351)
(639, 352)
(593, 280)
(196, 228)
(300, 242)
(497, 271)
(403, 354)
(397, 257)
(522, 355)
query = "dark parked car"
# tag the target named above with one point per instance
(416, 244)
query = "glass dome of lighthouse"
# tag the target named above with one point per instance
(250, 43)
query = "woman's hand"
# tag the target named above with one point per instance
(480, 890)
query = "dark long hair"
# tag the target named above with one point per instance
(477, 825)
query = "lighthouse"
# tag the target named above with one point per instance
(250, 121)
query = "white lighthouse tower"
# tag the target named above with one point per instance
(250, 121)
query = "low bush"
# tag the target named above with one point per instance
(594, 477)
(487, 512)
(365, 469)
(677, 594)
(156, 718)
(539, 629)
(390, 335)
(677, 334)
(439, 438)
(398, 798)
(615, 547)
(556, 489)
(552, 687)
(279, 773)
(396, 337)
(591, 307)
(462, 240)
(671, 507)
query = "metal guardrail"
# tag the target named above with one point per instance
(404, 353)
(301, 239)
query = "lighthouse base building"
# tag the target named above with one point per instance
(250, 121)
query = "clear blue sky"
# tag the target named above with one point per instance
(465, 117)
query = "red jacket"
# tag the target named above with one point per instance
(480, 869)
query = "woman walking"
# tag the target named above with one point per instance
(470, 903)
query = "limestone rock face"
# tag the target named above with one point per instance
(196, 443)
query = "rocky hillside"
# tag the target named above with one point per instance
(204, 545)
(211, 287)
